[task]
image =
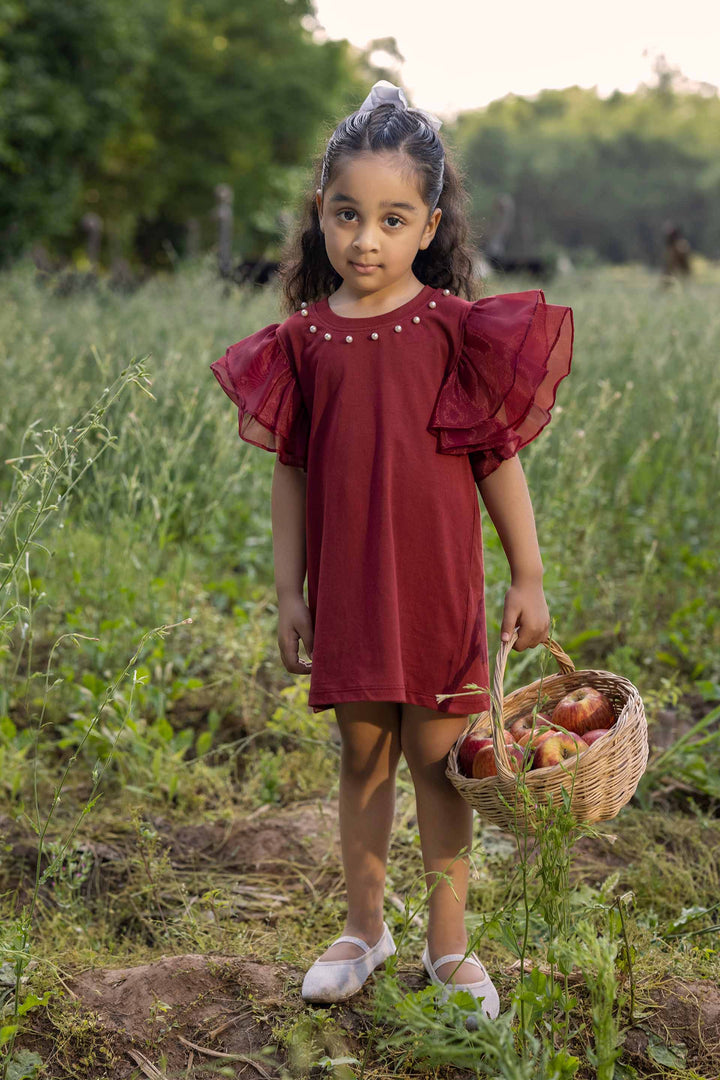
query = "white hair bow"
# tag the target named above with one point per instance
(384, 93)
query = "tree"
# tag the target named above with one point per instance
(68, 82)
(600, 174)
(137, 110)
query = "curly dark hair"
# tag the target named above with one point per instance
(307, 273)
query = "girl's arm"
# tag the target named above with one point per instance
(507, 499)
(288, 529)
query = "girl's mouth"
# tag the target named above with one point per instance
(364, 268)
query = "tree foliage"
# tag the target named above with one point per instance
(600, 174)
(69, 79)
(137, 110)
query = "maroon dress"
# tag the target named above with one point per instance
(395, 417)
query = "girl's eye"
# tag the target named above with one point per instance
(342, 214)
(393, 221)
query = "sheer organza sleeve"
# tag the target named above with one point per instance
(257, 375)
(498, 394)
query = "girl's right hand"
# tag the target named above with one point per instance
(295, 625)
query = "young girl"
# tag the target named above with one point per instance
(387, 397)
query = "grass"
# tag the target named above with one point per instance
(140, 685)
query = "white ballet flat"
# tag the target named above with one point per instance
(483, 988)
(336, 980)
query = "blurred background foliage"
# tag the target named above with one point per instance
(600, 176)
(137, 110)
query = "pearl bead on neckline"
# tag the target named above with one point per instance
(374, 336)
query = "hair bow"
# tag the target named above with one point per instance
(384, 93)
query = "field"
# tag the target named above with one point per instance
(169, 859)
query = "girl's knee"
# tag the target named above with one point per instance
(370, 764)
(370, 733)
(426, 738)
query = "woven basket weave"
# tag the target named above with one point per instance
(600, 780)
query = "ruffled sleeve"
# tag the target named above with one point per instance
(257, 375)
(497, 395)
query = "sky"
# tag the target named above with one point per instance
(461, 54)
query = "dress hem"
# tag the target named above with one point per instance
(399, 694)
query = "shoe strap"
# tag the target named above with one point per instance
(471, 959)
(353, 941)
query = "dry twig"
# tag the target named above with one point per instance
(225, 1057)
(228, 1023)
(150, 1070)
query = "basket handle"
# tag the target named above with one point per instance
(497, 698)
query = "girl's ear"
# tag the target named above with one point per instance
(430, 229)
(319, 204)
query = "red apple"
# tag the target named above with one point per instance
(592, 736)
(525, 724)
(470, 747)
(484, 761)
(555, 749)
(584, 709)
(530, 744)
(533, 737)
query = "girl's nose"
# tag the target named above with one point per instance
(365, 239)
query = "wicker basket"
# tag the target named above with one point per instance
(600, 780)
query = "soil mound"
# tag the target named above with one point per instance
(686, 1021)
(185, 1011)
(301, 835)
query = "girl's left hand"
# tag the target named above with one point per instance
(526, 610)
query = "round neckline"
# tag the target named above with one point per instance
(328, 317)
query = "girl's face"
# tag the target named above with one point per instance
(375, 221)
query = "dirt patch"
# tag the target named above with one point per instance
(686, 1018)
(266, 840)
(181, 1015)
(146, 1002)
(289, 843)
(184, 1015)
(690, 1013)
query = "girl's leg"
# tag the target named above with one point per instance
(445, 823)
(370, 732)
